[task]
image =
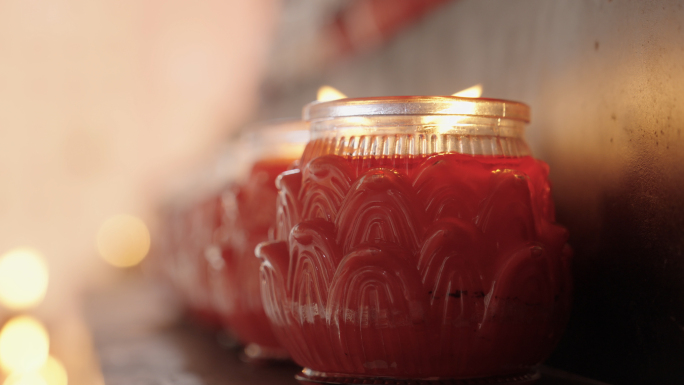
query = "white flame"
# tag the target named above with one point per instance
(470, 92)
(327, 93)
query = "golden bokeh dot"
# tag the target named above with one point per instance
(24, 345)
(25, 379)
(53, 372)
(23, 278)
(123, 240)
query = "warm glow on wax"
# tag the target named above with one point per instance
(23, 278)
(470, 92)
(327, 93)
(24, 345)
(123, 240)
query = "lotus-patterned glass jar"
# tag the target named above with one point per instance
(247, 213)
(188, 220)
(417, 241)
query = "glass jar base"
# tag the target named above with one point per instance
(311, 377)
(254, 353)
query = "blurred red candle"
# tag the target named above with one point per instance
(246, 216)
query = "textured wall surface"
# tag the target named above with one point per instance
(605, 80)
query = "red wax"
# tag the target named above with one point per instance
(447, 266)
(248, 213)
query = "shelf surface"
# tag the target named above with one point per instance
(141, 339)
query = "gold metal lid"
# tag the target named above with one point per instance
(417, 105)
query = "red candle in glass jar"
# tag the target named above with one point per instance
(417, 241)
(247, 216)
(192, 267)
(188, 223)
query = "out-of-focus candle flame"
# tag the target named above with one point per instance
(123, 240)
(24, 345)
(23, 278)
(470, 92)
(53, 372)
(327, 93)
(25, 379)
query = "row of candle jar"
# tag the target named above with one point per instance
(211, 227)
(405, 238)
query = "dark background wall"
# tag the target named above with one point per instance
(605, 80)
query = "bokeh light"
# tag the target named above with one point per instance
(53, 372)
(25, 379)
(327, 93)
(23, 278)
(24, 345)
(123, 240)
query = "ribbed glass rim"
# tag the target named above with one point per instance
(417, 105)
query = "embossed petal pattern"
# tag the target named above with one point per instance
(448, 266)
(247, 215)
